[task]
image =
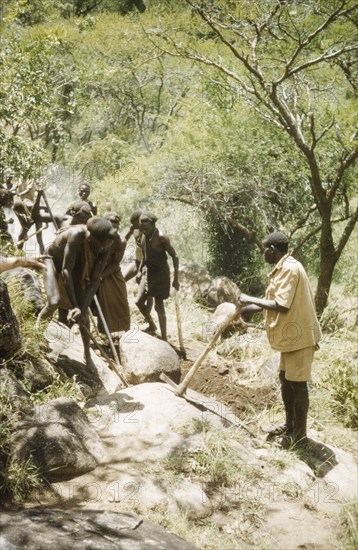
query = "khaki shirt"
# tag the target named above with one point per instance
(298, 327)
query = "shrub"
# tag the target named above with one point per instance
(231, 255)
(341, 381)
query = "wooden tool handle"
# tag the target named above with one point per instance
(184, 384)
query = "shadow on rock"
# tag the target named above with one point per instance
(320, 458)
(84, 375)
(121, 402)
(40, 529)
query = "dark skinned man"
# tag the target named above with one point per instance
(79, 256)
(292, 328)
(155, 282)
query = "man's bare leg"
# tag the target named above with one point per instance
(159, 308)
(142, 305)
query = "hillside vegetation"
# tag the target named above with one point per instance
(227, 119)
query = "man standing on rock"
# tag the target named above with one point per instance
(293, 329)
(79, 257)
(155, 281)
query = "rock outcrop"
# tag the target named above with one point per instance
(60, 440)
(66, 352)
(197, 284)
(145, 357)
(43, 528)
(29, 285)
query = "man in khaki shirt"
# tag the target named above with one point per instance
(292, 328)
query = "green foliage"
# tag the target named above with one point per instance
(284, 71)
(38, 93)
(33, 12)
(342, 381)
(350, 523)
(33, 343)
(335, 392)
(150, 127)
(214, 463)
(231, 255)
(16, 480)
(61, 386)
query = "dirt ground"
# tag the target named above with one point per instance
(241, 399)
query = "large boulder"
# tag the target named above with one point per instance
(221, 290)
(66, 353)
(60, 440)
(194, 280)
(43, 528)
(39, 373)
(29, 285)
(145, 357)
(197, 283)
(11, 387)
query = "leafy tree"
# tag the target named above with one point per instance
(33, 12)
(232, 255)
(128, 95)
(293, 62)
(38, 99)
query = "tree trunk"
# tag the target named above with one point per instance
(323, 286)
(328, 260)
(10, 339)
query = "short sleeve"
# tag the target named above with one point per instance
(286, 283)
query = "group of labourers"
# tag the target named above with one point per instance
(84, 262)
(82, 267)
(28, 201)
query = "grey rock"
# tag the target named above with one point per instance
(11, 387)
(30, 286)
(39, 374)
(145, 357)
(66, 352)
(43, 528)
(197, 283)
(192, 500)
(60, 440)
(221, 290)
(195, 280)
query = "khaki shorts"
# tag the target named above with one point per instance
(297, 365)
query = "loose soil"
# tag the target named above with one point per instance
(224, 388)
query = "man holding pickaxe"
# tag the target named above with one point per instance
(292, 328)
(77, 258)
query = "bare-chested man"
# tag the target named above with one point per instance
(79, 257)
(156, 279)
